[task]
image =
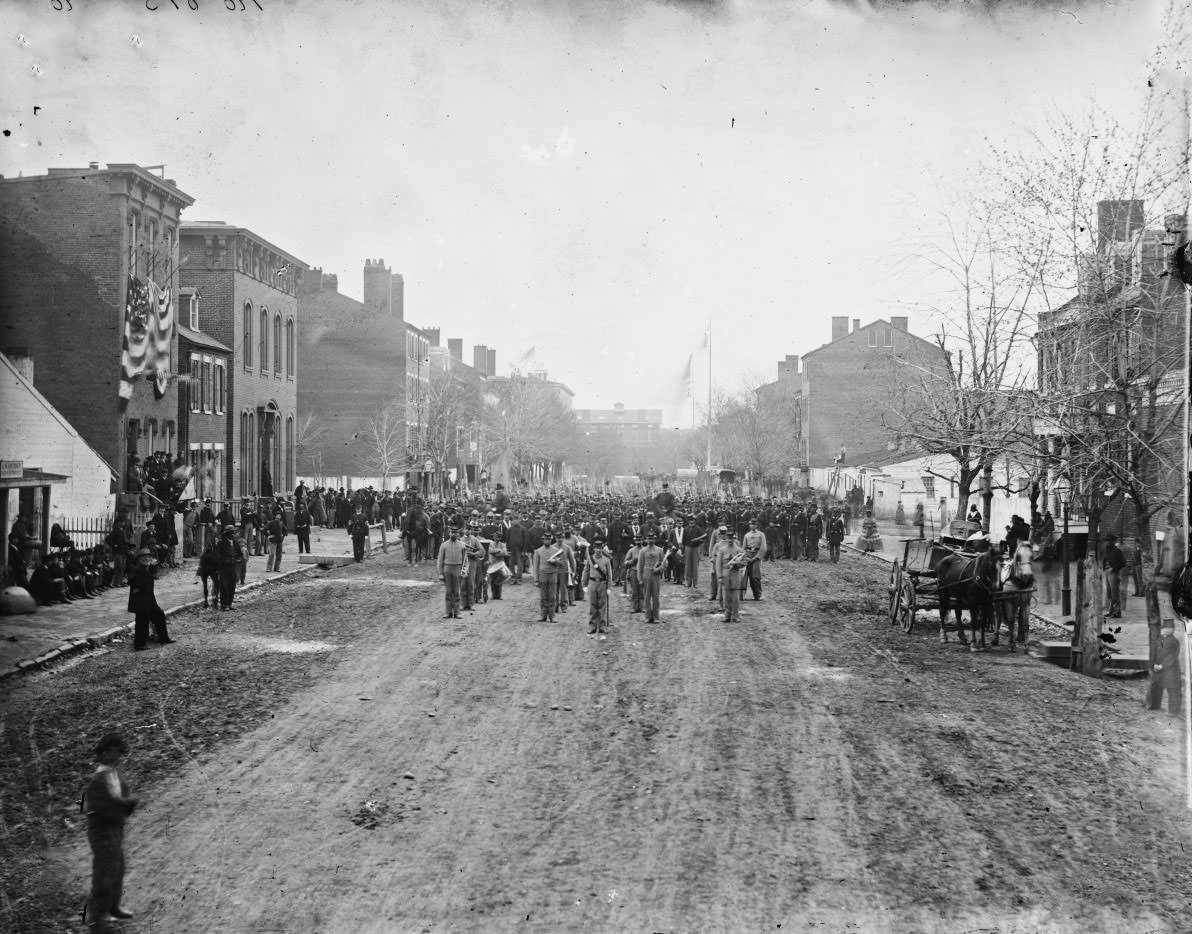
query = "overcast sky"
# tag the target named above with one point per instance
(591, 180)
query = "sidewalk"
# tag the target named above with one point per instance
(26, 640)
(1132, 640)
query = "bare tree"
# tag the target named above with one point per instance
(758, 432)
(383, 443)
(451, 405)
(309, 436)
(1102, 202)
(530, 426)
(970, 401)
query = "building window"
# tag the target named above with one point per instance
(167, 437)
(246, 351)
(134, 232)
(887, 337)
(277, 345)
(151, 434)
(196, 379)
(264, 338)
(152, 259)
(219, 392)
(872, 337)
(290, 348)
(247, 429)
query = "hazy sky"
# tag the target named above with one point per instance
(593, 180)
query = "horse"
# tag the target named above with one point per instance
(967, 583)
(209, 569)
(1015, 575)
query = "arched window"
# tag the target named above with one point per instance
(277, 345)
(290, 347)
(264, 338)
(290, 453)
(247, 344)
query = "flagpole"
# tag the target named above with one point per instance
(709, 451)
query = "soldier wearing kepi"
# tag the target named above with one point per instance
(1165, 672)
(836, 527)
(755, 549)
(598, 573)
(547, 564)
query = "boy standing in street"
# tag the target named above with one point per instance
(107, 803)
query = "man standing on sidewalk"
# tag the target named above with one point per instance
(275, 533)
(1114, 563)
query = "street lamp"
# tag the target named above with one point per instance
(1063, 489)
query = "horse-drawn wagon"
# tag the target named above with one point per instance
(945, 576)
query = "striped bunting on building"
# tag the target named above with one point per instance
(148, 335)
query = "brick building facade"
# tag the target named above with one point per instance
(355, 364)
(848, 383)
(70, 240)
(247, 291)
(203, 406)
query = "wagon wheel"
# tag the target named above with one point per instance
(895, 591)
(908, 605)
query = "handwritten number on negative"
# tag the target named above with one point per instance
(61, 5)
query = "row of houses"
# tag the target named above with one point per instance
(1109, 392)
(146, 337)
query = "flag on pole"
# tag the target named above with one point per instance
(688, 377)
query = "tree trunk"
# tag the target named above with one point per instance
(1092, 609)
(1153, 620)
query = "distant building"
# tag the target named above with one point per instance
(90, 259)
(845, 386)
(356, 361)
(245, 297)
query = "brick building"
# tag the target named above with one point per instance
(1111, 361)
(247, 301)
(355, 366)
(72, 241)
(203, 420)
(846, 385)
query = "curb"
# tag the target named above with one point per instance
(73, 645)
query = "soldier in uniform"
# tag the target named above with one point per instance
(598, 574)
(755, 550)
(649, 571)
(632, 581)
(815, 531)
(358, 530)
(546, 566)
(835, 534)
(452, 560)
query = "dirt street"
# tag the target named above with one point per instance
(335, 757)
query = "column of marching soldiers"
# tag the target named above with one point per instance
(575, 547)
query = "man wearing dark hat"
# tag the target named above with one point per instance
(107, 802)
(143, 602)
(1114, 561)
(205, 525)
(231, 553)
(598, 573)
(632, 581)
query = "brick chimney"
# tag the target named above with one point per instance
(899, 324)
(839, 327)
(480, 359)
(1118, 220)
(491, 363)
(21, 361)
(378, 287)
(455, 347)
(432, 336)
(856, 325)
